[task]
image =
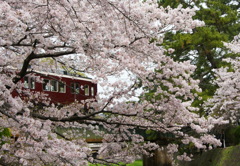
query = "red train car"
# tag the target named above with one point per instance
(62, 88)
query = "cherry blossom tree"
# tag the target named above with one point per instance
(234, 45)
(104, 38)
(225, 102)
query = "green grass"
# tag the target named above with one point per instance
(136, 163)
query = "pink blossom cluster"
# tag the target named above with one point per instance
(225, 102)
(104, 38)
(234, 45)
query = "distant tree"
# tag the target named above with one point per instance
(103, 38)
(226, 101)
(204, 47)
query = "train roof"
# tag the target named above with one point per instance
(76, 77)
(61, 73)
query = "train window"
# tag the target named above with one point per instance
(62, 87)
(29, 82)
(75, 88)
(86, 90)
(26, 82)
(92, 91)
(32, 83)
(46, 85)
(54, 85)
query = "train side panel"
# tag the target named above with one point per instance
(62, 89)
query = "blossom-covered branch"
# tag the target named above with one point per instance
(108, 40)
(225, 102)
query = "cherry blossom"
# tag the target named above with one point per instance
(103, 38)
(234, 45)
(225, 102)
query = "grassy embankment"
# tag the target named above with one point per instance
(229, 156)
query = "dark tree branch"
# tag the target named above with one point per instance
(131, 20)
(61, 135)
(132, 42)
(56, 54)
(91, 119)
(32, 56)
(72, 118)
(4, 112)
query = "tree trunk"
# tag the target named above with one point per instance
(159, 158)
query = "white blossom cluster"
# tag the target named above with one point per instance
(226, 101)
(234, 46)
(103, 38)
